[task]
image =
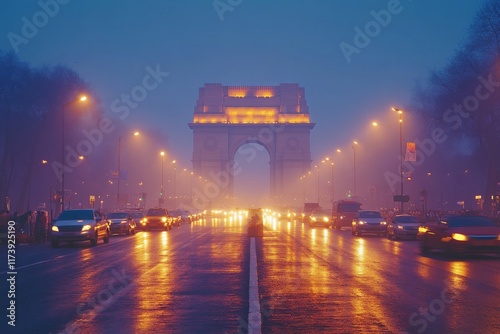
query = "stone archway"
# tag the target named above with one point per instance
(227, 117)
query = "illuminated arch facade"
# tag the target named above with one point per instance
(227, 117)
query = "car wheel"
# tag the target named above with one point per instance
(129, 232)
(388, 235)
(93, 242)
(106, 238)
(395, 235)
(54, 243)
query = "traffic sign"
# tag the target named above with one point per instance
(401, 198)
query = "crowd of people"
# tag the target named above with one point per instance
(31, 226)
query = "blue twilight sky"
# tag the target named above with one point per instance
(253, 42)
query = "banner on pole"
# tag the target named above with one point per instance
(411, 151)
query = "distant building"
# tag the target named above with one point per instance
(227, 117)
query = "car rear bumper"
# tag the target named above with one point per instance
(118, 228)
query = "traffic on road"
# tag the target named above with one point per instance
(194, 278)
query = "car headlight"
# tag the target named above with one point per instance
(361, 222)
(123, 222)
(459, 237)
(325, 219)
(86, 227)
(164, 219)
(313, 219)
(422, 229)
(383, 223)
(400, 227)
(55, 229)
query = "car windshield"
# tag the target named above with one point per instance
(320, 213)
(118, 215)
(406, 220)
(136, 214)
(76, 215)
(157, 212)
(469, 221)
(370, 214)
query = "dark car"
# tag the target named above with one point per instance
(369, 221)
(80, 225)
(319, 218)
(176, 217)
(121, 223)
(461, 234)
(344, 211)
(157, 218)
(402, 226)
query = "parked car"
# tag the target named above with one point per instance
(157, 218)
(80, 225)
(402, 226)
(121, 223)
(461, 234)
(319, 218)
(369, 221)
(344, 211)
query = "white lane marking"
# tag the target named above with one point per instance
(254, 315)
(63, 256)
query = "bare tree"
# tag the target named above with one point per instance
(476, 63)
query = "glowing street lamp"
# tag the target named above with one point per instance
(82, 98)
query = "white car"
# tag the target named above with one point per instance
(403, 226)
(79, 225)
(369, 221)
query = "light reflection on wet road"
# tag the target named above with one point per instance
(194, 279)
(326, 281)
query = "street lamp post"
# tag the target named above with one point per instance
(354, 166)
(120, 171)
(175, 189)
(400, 112)
(317, 186)
(161, 189)
(333, 189)
(81, 98)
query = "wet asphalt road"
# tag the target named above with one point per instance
(194, 279)
(327, 281)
